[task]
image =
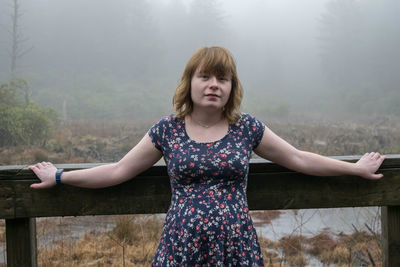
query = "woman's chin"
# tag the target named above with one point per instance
(211, 107)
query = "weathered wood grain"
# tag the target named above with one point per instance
(391, 236)
(270, 187)
(21, 242)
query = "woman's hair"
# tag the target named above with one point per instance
(213, 60)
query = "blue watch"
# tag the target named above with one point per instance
(58, 176)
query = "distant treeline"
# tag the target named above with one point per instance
(123, 59)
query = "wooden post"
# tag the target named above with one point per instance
(391, 236)
(21, 242)
(270, 187)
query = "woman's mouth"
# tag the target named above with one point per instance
(212, 95)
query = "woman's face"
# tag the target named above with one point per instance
(209, 90)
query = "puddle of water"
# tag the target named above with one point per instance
(314, 221)
(291, 222)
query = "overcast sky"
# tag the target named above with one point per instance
(290, 54)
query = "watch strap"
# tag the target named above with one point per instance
(58, 176)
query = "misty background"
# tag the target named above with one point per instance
(98, 59)
(110, 68)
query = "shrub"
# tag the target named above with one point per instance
(23, 121)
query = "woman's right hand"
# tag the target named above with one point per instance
(46, 172)
(139, 159)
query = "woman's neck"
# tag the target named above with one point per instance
(206, 119)
(206, 127)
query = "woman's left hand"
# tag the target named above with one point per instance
(369, 164)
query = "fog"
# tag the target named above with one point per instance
(122, 59)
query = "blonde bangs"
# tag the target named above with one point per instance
(213, 60)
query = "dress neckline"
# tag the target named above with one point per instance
(204, 143)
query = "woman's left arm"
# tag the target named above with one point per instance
(277, 150)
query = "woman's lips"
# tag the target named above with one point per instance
(212, 95)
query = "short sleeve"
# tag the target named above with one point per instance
(256, 130)
(157, 133)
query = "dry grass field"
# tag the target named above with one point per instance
(100, 141)
(132, 241)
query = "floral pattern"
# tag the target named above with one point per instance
(208, 222)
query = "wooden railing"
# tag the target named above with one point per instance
(270, 187)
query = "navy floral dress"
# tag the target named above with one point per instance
(208, 222)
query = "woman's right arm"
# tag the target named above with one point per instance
(140, 158)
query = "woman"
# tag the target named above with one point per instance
(207, 146)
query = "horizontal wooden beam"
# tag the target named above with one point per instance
(270, 187)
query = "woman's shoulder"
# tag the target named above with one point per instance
(249, 121)
(252, 127)
(168, 121)
(246, 118)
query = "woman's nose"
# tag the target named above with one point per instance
(213, 81)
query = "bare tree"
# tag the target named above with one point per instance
(17, 39)
(17, 50)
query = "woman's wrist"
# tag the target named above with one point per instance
(58, 175)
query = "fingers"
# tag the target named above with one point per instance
(374, 156)
(43, 164)
(378, 158)
(41, 185)
(45, 171)
(381, 159)
(370, 163)
(36, 186)
(32, 167)
(376, 176)
(36, 169)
